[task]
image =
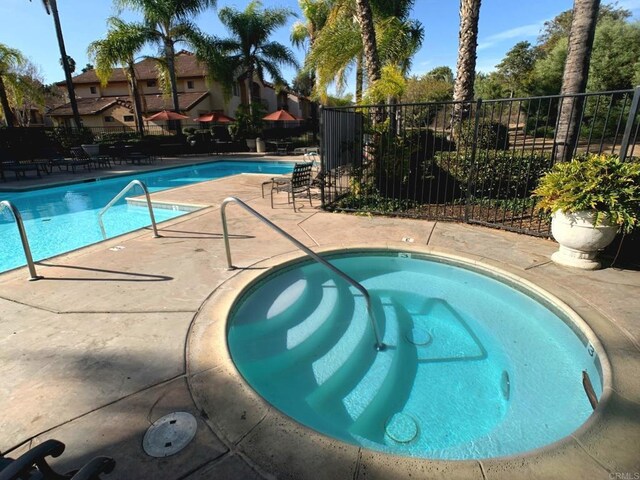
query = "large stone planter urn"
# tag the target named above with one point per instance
(580, 239)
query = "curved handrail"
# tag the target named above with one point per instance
(379, 346)
(132, 184)
(23, 238)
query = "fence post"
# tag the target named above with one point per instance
(321, 151)
(474, 147)
(633, 113)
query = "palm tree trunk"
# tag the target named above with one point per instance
(170, 56)
(466, 65)
(575, 76)
(359, 78)
(133, 82)
(65, 63)
(369, 43)
(6, 108)
(249, 81)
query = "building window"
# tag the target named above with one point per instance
(108, 119)
(190, 84)
(93, 90)
(152, 83)
(128, 118)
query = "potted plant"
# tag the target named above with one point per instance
(249, 123)
(591, 199)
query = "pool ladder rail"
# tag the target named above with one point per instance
(122, 193)
(379, 346)
(33, 276)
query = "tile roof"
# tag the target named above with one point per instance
(154, 103)
(187, 66)
(89, 106)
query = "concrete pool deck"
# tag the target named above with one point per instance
(114, 338)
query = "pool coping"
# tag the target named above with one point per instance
(269, 438)
(92, 179)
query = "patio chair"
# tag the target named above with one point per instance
(299, 183)
(79, 154)
(76, 161)
(33, 465)
(8, 163)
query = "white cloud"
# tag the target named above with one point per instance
(531, 30)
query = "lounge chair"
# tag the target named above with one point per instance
(79, 154)
(33, 465)
(8, 163)
(299, 183)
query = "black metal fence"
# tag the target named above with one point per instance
(474, 162)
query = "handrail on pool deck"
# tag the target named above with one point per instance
(23, 238)
(379, 346)
(132, 184)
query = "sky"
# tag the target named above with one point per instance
(502, 24)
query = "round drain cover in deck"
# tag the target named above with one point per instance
(169, 434)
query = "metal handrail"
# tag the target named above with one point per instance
(122, 193)
(379, 346)
(23, 238)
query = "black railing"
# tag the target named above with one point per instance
(476, 162)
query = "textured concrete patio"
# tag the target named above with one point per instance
(109, 341)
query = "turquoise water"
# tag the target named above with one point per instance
(473, 368)
(60, 219)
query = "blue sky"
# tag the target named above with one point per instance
(502, 24)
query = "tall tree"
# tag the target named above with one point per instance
(339, 45)
(51, 7)
(119, 48)
(369, 43)
(10, 58)
(467, 44)
(304, 34)
(169, 22)
(250, 52)
(576, 74)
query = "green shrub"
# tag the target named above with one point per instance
(491, 136)
(600, 183)
(495, 173)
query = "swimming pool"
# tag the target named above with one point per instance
(477, 365)
(61, 219)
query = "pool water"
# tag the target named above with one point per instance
(474, 368)
(61, 219)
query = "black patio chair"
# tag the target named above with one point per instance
(9, 163)
(299, 183)
(79, 154)
(33, 465)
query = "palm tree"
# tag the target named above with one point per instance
(169, 22)
(119, 48)
(249, 51)
(10, 58)
(467, 44)
(303, 34)
(369, 43)
(339, 45)
(51, 7)
(574, 78)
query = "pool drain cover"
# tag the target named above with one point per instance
(419, 336)
(169, 434)
(401, 428)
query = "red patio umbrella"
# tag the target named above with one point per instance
(281, 116)
(166, 115)
(214, 117)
